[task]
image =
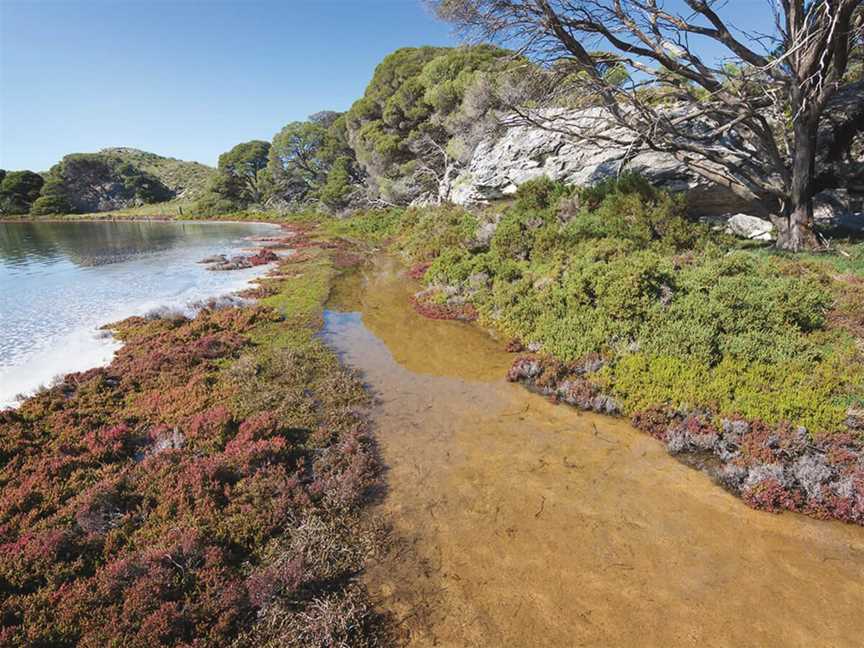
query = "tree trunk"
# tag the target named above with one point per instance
(794, 227)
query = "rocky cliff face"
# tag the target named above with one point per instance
(500, 164)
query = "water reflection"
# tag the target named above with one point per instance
(60, 281)
(90, 244)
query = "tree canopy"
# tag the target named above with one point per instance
(245, 163)
(305, 153)
(18, 191)
(418, 116)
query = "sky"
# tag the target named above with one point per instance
(192, 78)
(187, 78)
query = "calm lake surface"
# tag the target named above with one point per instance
(59, 282)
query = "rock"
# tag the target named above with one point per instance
(838, 210)
(167, 439)
(603, 404)
(676, 441)
(524, 369)
(216, 258)
(524, 152)
(478, 280)
(765, 472)
(543, 282)
(811, 471)
(483, 237)
(750, 227)
(732, 476)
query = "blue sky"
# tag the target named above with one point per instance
(191, 78)
(187, 79)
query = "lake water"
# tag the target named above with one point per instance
(59, 282)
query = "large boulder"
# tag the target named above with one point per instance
(750, 227)
(523, 152)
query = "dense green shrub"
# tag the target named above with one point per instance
(50, 204)
(682, 319)
(421, 101)
(18, 191)
(367, 226)
(429, 232)
(629, 207)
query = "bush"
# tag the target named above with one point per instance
(681, 319)
(628, 208)
(18, 191)
(540, 193)
(368, 225)
(46, 205)
(191, 488)
(429, 232)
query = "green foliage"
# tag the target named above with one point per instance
(430, 231)
(373, 226)
(312, 160)
(188, 180)
(243, 166)
(18, 191)
(224, 195)
(540, 194)
(339, 184)
(50, 204)
(682, 319)
(628, 207)
(92, 182)
(297, 161)
(417, 96)
(805, 392)
(529, 220)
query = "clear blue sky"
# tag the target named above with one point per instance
(185, 78)
(191, 78)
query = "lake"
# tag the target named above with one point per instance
(59, 282)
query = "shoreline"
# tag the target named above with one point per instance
(179, 395)
(142, 306)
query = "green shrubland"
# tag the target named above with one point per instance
(683, 317)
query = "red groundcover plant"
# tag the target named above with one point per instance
(147, 503)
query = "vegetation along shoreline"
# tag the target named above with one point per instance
(659, 216)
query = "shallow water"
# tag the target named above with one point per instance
(530, 524)
(60, 281)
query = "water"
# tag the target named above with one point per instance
(59, 282)
(523, 523)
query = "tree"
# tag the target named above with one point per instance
(313, 160)
(421, 115)
(296, 164)
(18, 191)
(246, 163)
(754, 120)
(85, 182)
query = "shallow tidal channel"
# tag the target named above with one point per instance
(523, 523)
